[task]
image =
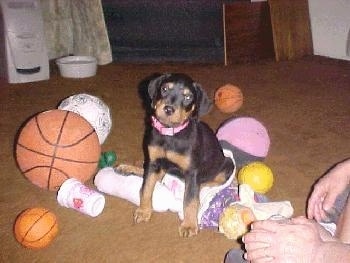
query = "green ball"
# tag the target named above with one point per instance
(107, 159)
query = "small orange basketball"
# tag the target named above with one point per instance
(56, 145)
(36, 227)
(228, 98)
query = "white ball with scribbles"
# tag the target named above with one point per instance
(93, 109)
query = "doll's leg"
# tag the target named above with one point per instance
(112, 183)
(127, 187)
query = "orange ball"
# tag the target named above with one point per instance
(228, 98)
(56, 145)
(36, 227)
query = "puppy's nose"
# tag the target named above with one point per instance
(168, 110)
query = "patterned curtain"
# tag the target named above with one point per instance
(76, 27)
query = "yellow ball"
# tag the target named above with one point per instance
(257, 175)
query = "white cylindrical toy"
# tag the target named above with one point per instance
(73, 194)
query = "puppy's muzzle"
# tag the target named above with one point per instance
(169, 110)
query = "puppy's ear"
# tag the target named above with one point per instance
(155, 84)
(204, 104)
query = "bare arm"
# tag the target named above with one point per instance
(333, 252)
(334, 183)
(270, 241)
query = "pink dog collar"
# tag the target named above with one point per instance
(166, 130)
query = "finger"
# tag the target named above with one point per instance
(329, 201)
(258, 236)
(324, 216)
(300, 220)
(319, 212)
(259, 255)
(311, 207)
(265, 225)
(310, 212)
(249, 246)
(262, 260)
(315, 198)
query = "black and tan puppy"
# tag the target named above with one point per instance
(181, 145)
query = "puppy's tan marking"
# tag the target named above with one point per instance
(155, 152)
(169, 85)
(181, 160)
(144, 211)
(186, 91)
(218, 180)
(183, 114)
(189, 226)
(127, 169)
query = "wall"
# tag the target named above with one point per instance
(330, 25)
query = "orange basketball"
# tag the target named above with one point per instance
(36, 227)
(56, 145)
(228, 98)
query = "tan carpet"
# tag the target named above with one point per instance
(304, 104)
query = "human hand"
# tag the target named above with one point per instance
(334, 183)
(287, 242)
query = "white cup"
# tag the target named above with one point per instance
(74, 194)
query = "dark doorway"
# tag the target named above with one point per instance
(165, 30)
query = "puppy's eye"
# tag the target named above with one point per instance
(188, 97)
(164, 89)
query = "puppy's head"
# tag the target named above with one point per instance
(177, 98)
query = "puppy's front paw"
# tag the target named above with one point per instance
(188, 230)
(142, 215)
(126, 169)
